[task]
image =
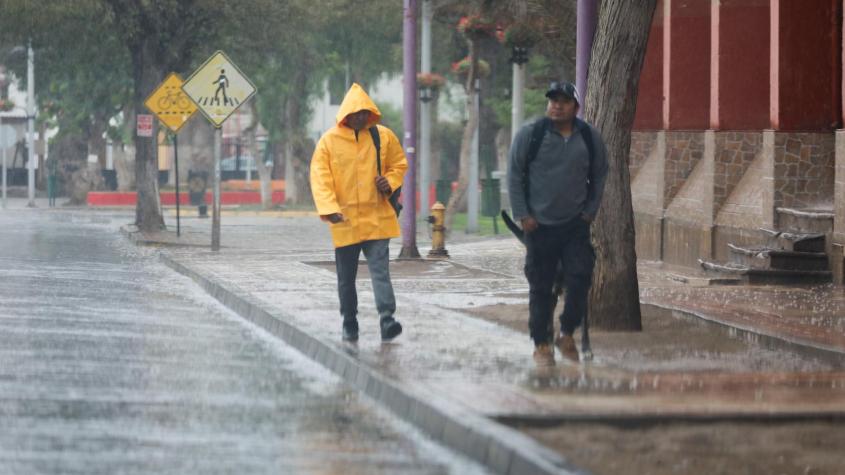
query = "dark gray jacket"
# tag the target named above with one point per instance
(563, 182)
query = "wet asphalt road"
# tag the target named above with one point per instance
(112, 363)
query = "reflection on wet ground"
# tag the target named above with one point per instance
(111, 363)
(466, 340)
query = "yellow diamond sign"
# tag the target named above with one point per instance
(218, 88)
(170, 104)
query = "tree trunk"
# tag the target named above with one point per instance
(124, 155)
(458, 199)
(146, 76)
(263, 170)
(294, 182)
(617, 58)
(291, 188)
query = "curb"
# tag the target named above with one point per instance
(775, 342)
(137, 238)
(499, 448)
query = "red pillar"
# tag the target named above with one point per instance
(650, 95)
(805, 43)
(688, 65)
(742, 56)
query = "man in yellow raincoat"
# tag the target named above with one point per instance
(352, 196)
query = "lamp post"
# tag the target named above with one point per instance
(426, 95)
(409, 73)
(519, 57)
(30, 124)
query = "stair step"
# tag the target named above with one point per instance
(767, 258)
(805, 220)
(789, 241)
(767, 276)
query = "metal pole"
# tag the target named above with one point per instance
(215, 213)
(409, 188)
(3, 151)
(3, 147)
(517, 98)
(586, 29)
(30, 113)
(176, 166)
(425, 110)
(472, 188)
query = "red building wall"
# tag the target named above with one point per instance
(808, 65)
(689, 76)
(649, 113)
(744, 57)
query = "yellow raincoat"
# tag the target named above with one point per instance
(343, 174)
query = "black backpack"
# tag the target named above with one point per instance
(538, 131)
(394, 197)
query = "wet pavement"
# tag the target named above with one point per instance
(112, 363)
(704, 354)
(454, 346)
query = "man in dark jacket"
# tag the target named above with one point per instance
(555, 195)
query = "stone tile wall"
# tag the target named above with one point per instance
(804, 170)
(735, 151)
(642, 145)
(683, 151)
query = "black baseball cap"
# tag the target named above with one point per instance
(566, 89)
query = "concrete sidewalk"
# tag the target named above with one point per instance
(464, 366)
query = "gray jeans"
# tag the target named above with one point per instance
(346, 262)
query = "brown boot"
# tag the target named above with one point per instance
(544, 355)
(566, 345)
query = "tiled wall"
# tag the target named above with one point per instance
(642, 146)
(735, 151)
(683, 151)
(804, 170)
(687, 187)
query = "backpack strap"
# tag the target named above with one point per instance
(394, 197)
(538, 131)
(377, 142)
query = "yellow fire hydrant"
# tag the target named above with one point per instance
(438, 232)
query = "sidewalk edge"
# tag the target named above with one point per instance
(499, 448)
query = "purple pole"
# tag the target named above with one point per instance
(409, 188)
(586, 29)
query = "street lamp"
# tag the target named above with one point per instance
(30, 123)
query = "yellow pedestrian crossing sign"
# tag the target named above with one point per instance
(170, 104)
(218, 88)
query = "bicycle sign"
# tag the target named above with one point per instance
(172, 107)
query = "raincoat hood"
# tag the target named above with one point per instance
(357, 100)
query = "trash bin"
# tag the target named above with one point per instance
(197, 183)
(443, 190)
(491, 199)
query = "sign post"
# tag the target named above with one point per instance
(218, 88)
(173, 109)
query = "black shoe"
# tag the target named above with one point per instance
(390, 328)
(350, 331)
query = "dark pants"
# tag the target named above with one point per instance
(569, 245)
(346, 263)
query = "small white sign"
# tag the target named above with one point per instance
(92, 158)
(145, 125)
